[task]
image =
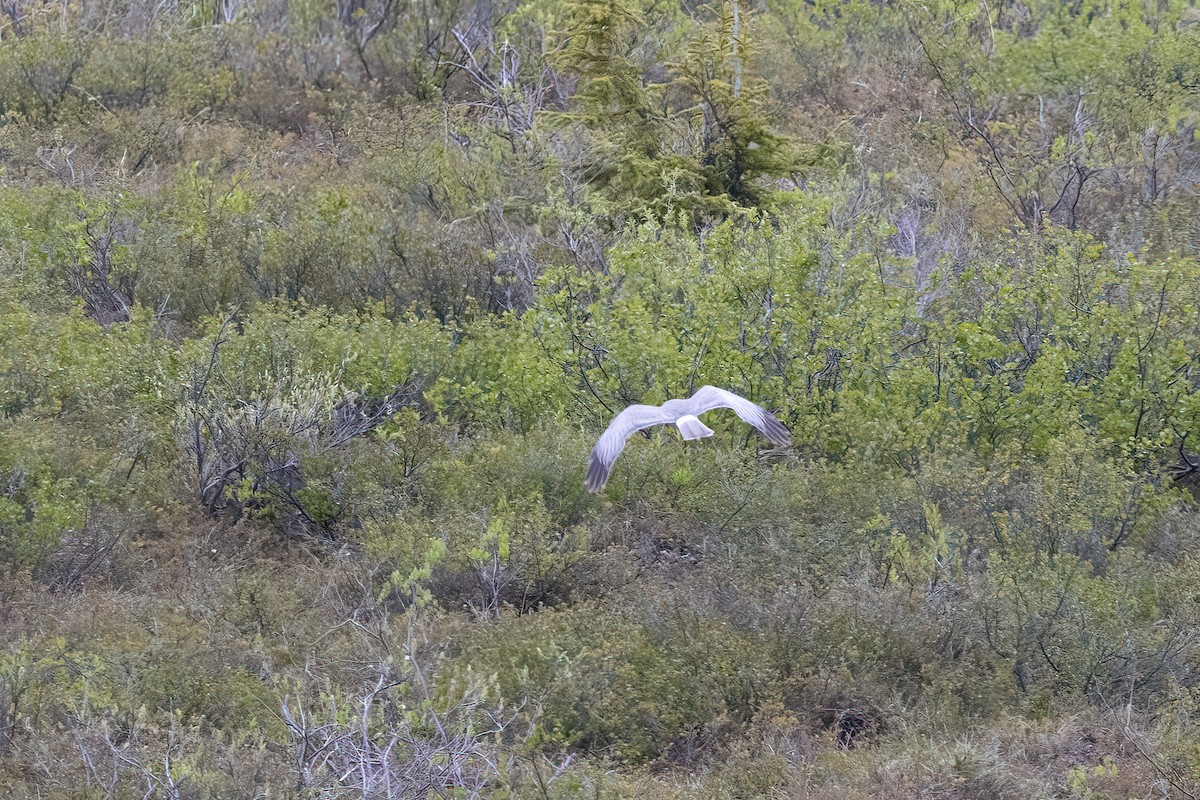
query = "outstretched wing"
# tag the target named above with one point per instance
(707, 398)
(612, 441)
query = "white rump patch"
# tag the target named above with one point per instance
(690, 427)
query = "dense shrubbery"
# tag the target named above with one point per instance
(310, 315)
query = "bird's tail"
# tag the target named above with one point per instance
(690, 427)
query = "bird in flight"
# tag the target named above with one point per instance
(684, 414)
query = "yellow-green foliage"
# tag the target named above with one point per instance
(310, 314)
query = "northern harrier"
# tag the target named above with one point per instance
(684, 414)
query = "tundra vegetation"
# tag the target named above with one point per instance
(310, 313)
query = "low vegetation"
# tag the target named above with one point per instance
(312, 312)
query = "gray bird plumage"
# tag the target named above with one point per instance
(684, 415)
